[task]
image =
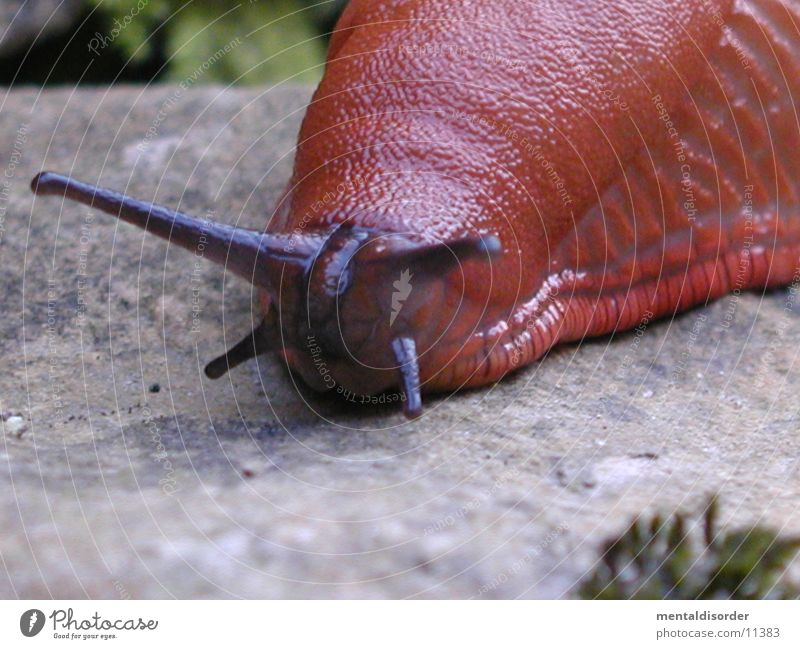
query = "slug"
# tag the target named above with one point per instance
(476, 182)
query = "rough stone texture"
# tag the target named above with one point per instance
(206, 489)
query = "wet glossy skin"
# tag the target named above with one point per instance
(627, 154)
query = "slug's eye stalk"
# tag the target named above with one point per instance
(239, 249)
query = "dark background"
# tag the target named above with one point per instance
(46, 42)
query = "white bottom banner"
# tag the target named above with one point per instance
(399, 624)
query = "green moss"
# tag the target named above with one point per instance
(660, 559)
(269, 40)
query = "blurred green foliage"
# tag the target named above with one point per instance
(659, 559)
(271, 40)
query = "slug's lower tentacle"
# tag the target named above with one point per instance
(259, 341)
(405, 352)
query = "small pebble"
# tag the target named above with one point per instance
(15, 425)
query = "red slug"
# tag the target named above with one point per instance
(478, 181)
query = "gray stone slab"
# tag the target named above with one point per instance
(254, 487)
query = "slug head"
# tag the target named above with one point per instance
(371, 309)
(351, 308)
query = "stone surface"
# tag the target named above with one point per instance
(134, 476)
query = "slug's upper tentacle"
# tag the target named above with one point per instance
(441, 257)
(239, 249)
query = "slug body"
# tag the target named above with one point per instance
(478, 181)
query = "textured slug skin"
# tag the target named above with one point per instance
(635, 157)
